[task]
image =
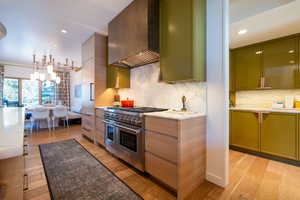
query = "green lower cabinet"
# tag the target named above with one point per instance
(279, 135)
(244, 130)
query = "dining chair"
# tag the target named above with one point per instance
(60, 112)
(40, 114)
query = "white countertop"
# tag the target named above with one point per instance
(283, 110)
(11, 132)
(178, 115)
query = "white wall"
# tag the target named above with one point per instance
(75, 79)
(146, 90)
(217, 92)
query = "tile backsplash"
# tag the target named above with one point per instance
(263, 98)
(146, 90)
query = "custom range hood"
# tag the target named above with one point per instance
(133, 36)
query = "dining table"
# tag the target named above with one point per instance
(43, 124)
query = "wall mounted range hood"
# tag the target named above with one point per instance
(133, 36)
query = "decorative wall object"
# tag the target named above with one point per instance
(146, 90)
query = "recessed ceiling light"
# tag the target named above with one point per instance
(64, 31)
(242, 31)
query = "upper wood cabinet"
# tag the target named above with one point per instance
(268, 65)
(118, 77)
(182, 40)
(247, 66)
(280, 63)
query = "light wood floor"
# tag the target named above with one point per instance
(251, 177)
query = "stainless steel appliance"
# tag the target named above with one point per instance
(125, 135)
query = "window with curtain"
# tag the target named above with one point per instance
(48, 92)
(30, 92)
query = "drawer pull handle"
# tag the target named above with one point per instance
(25, 150)
(25, 185)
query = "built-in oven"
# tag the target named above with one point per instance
(131, 145)
(110, 137)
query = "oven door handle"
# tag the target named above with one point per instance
(123, 127)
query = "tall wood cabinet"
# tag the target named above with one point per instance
(94, 88)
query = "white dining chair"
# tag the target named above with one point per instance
(40, 114)
(60, 112)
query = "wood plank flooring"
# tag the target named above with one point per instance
(251, 177)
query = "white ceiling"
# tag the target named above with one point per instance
(34, 26)
(276, 20)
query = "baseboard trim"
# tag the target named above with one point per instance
(215, 179)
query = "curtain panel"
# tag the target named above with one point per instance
(1, 83)
(63, 89)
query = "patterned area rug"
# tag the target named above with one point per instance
(74, 174)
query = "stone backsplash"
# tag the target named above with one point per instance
(146, 90)
(263, 98)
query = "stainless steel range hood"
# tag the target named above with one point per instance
(133, 36)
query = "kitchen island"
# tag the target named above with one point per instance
(11, 153)
(11, 132)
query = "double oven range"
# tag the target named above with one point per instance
(125, 133)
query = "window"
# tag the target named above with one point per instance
(48, 92)
(11, 91)
(30, 92)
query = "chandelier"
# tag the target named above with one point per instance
(45, 70)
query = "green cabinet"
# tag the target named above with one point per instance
(183, 40)
(280, 63)
(247, 65)
(118, 77)
(268, 65)
(279, 135)
(244, 128)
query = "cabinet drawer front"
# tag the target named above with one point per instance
(162, 146)
(99, 126)
(87, 123)
(100, 113)
(165, 126)
(99, 137)
(161, 169)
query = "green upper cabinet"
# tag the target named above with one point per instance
(247, 63)
(118, 77)
(244, 130)
(280, 63)
(279, 135)
(183, 40)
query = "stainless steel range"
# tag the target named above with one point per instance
(125, 134)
